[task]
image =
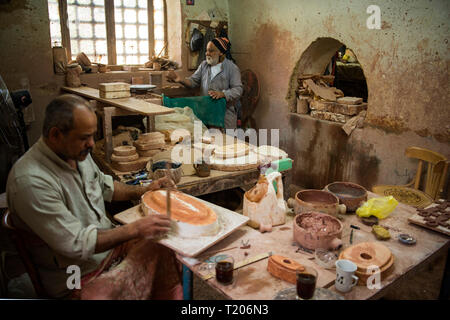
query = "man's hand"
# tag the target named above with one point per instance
(216, 94)
(152, 226)
(164, 182)
(173, 77)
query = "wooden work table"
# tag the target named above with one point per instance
(254, 282)
(108, 108)
(194, 185)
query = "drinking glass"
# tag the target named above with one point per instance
(306, 282)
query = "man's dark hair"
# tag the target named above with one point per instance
(59, 113)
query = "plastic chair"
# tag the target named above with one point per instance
(433, 184)
(19, 239)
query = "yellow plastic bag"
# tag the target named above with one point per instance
(378, 207)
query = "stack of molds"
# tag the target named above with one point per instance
(149, 144)
(114, 90)
(125, 158)
(233, 157)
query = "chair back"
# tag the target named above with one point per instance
(17, 236)
(436, 170)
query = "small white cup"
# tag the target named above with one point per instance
(345, 275)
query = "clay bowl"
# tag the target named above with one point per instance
(314, 230)
(317, 200)
(350, 194)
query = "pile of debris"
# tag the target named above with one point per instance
(316, 96)
(161, 63)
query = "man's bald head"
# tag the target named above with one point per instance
(60, 113)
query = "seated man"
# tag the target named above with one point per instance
(57, 193)
(217, 77)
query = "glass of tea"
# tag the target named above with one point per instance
(224, 270)
(306, 282)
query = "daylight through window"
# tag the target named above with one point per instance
(114, 32)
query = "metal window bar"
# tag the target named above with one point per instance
(155, 38)
(132, 54)
(81, 24)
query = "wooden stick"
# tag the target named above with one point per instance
(226, 249)
(168, 190)
(168, 202)
(165, 44)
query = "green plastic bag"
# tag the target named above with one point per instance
(210, 111)
(378, 207)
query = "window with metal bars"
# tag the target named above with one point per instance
(109, 31)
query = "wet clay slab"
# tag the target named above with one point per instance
(183, 207)
(229, 222)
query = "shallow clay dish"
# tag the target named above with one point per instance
(317, 200)
(350, 194)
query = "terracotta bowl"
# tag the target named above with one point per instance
(310, 231)
(350, 194)
(317, 200)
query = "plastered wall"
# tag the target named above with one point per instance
(406, 67)
(405, 63)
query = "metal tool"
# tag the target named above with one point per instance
(136, 178)
(245, 244)
(300, 248)
(243, 263)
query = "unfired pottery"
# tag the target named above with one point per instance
(314, 230)
(366, 255)
(317, 200)
(351, 194)
(202, 169)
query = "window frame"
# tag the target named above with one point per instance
(111, 29)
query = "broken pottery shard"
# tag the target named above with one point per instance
(303, 104)
(327, 93)
(349, 100)
(321, 105)
(336, 117)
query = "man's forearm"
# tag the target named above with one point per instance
(124, 192)
(186, 83)
(108, 239)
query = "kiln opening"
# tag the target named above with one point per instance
(328, 83)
